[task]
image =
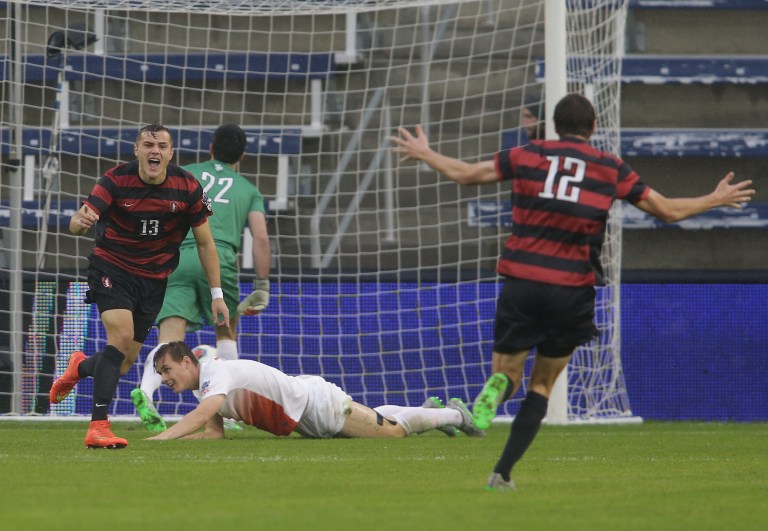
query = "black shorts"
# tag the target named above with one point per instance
(111, 288)
(554, 319)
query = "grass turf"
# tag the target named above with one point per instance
(648, 476)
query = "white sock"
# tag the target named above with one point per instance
(421, 419)
(226, 349)
(150, 380)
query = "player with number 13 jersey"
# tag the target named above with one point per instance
(146, 222)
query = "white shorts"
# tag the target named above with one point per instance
(327, 409)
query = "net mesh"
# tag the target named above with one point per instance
(383, 273)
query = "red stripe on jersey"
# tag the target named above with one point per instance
(141, 226)
(552, 207)
(263, 413)
(544, 274)
(143, 272)
(102, 193)
(542, 218)
(549, 248)
(604, 174)
(596, 200)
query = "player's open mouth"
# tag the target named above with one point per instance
(154, 163)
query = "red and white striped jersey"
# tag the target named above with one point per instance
(561, 193)
(141, 226)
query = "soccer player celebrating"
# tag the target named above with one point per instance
(141, 211)
(562, 191)
(186, 307)
(264, 397)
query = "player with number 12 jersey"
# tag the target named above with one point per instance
(562, 191)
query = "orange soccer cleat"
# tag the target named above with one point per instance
(66, 382)
(100, 436)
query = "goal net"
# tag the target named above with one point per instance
(383, 272)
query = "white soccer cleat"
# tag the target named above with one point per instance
(467, 421)
(435, 403)
(496, 483)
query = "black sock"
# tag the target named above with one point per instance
(524, 429)
(106, 375)
(87, 366)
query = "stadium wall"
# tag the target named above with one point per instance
(696, 351)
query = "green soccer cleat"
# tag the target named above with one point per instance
(468, 425)
(146, 410)
(496, 483)
(435, 403)
(487, 402)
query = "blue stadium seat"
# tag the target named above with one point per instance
(181, 68)
(32, 211)
(118, 142)
(662, 69)
(493, 213)
(176, 67)
(681, 142)
(698, 4)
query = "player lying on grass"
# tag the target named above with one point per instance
(268, 399)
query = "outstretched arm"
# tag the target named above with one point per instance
(676, 209)
(417, 148)
(257, 223)
(205, 414)
(209, 259)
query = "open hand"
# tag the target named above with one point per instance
(410, 146)
(733, 195)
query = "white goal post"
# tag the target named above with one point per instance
(383, 273)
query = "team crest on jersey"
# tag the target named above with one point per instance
(218, 167)
(106, 282)
(207, 202)
(205, 387)
(174, 206)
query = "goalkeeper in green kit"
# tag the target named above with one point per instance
(187, 303)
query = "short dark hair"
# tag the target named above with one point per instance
(574, 115)
(153, 129)
(176, 350)
(228, 143)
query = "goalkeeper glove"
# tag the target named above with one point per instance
(258, 300)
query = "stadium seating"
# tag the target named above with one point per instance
(667, 142)
(313, 68)
(31, 211)
(117, 142)
(698, 4)
(663, 69)
(685, 142)
(178, 67)
(678, 143)
(491, 213)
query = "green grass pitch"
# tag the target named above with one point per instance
(648, 476)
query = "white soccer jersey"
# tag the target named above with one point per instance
(269, 399)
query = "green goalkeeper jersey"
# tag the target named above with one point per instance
(232, 197)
